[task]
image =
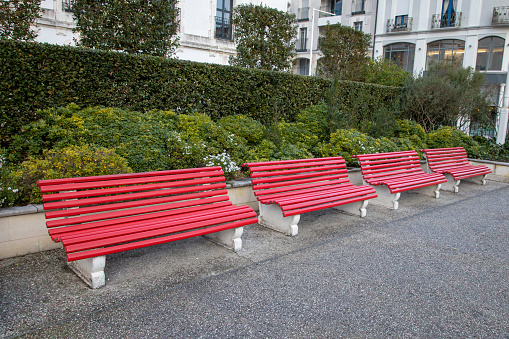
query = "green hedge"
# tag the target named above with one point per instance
(37, 76)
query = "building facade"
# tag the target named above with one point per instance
(314, 15)
(205, 28)
(414, 32)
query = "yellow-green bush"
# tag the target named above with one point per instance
(72, 161)
(243, 126)
(447, 136)
(348, 142)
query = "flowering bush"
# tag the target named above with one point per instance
(229, 167)
(72, 161)
(447, 136)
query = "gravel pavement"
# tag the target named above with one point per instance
(435, 268)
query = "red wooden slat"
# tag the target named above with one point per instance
(56, 233)
(143, 210)
(283, 179)
(131, 204)
(265, 163)
(104, 232)
(131, 189)
(257, 174)
(169, 226)
(156, 241)
(298, 182)
(125, 197)
(154, 233)
(123, 182)
(126, 176)
(337, 203)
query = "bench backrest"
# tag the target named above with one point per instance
(100, 202)
(378, 166)
(289, 175)
(442, 158)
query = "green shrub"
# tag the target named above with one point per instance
(349, 142)
(72, 161)
(243, 126)
(39, 76)
(139, 137)
(447, 136)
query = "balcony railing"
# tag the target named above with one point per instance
(500, 15)
(443, 21)
(223, 28)
(67, 5)
(301, 45)
(405, 26)
(303, 14)
(328, 9)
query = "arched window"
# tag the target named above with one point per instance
(445, 50)
(402, 54)
(489, 54)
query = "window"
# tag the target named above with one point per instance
(67, 5)
(489, 54)
(303, 38)
(223, 15)
(303, 68)
(402, 54)
(358, 26)
(401, 21)
(336, 6)
(445, 50)
(448, 13)
(357, 6)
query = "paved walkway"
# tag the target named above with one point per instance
(434, 268)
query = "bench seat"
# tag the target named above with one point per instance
(285, 189)
(453, 163)
(395, 172)
(96, 216)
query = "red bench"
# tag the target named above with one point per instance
(287, 188)
(453, 163)
(396, 172)
(95, 216)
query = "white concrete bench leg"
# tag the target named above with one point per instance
(271, 216)
(433, 190)
(451, 184)
(385, 197)
(477, 180)
(356, 208)
(90, 270)
(230, 238)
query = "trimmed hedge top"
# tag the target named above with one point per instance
(37, 76)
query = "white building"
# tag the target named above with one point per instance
(314, 15)
(413, 32)
(205, 30)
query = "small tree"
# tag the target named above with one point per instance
(17, 17)
(131, 26)
(264, 37)
(449, 95)
(384, 72)
(344, 52)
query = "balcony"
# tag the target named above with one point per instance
(301, 45)
(500, 15)
(333, 12)
(399, 26)
(444, 21)
(223, 28)
(303, 14)
(67, 5)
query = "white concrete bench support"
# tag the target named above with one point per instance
(355, 208)
(386, 198)
(90, 270)
(271, 216)
(451, 185)
(230, 238)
